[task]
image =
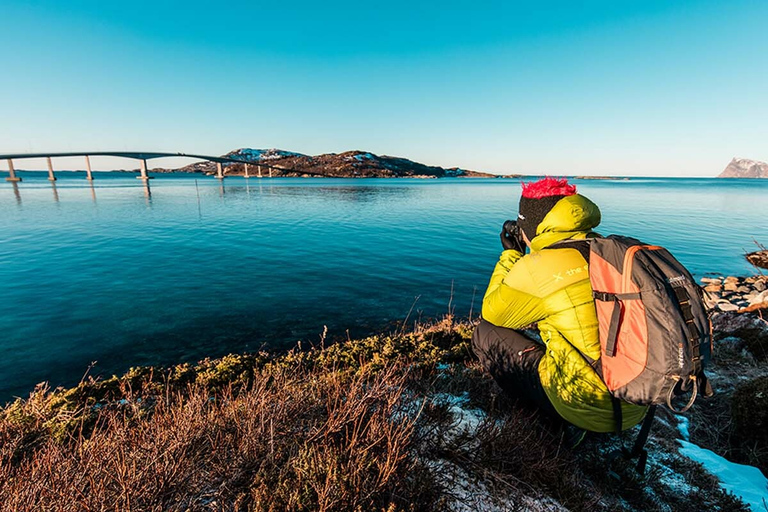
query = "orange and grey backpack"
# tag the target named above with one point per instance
(655, 333)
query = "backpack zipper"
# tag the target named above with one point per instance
(629, 258)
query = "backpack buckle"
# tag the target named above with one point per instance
(604, 296)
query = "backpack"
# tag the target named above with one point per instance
(655, 333)
(655, 336)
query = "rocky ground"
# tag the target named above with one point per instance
(737, 293)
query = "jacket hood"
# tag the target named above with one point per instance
(572, 217)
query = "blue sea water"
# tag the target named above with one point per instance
(197, 268)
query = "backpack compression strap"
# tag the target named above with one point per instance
(698, 379)
(613, 329)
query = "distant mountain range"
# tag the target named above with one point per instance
(350, 164)
(745, 168)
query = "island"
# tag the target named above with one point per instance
(745, 168)
(349, 164)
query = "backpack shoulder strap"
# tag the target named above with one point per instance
(581, 244)
(638, 450)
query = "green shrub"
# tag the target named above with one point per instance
(749, 410)
(755, 340)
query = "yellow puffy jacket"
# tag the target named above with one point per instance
(552, 287)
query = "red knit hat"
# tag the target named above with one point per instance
(538, 199)
(548, 187)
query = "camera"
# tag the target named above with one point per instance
(510, 226)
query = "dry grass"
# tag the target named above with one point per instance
(325, 429)
(358, 425)
(292, 441)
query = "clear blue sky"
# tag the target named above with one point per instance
(600, 87)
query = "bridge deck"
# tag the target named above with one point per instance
(152, 155)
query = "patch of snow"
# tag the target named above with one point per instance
(466, 420)
(746, 482)
(544, 504)
(682, 426)
(668, 476)
(677, 482)
(453, 400)
(258, 155)
(467, 493)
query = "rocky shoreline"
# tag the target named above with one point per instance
(739, 294)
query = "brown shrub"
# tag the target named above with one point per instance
(359, 425)
(293, 441)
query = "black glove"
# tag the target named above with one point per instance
(511, 237)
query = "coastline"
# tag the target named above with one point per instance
(439, 413)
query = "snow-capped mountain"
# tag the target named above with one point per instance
(745, 168)
(262, 155)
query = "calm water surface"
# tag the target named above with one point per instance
(108, 274)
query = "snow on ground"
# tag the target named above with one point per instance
(682, 426)
(265, 154)
(662, 462)
(747, 482)
(467, 493)
(465, 420)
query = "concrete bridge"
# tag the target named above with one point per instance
(142, 157)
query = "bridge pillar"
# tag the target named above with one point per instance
(143, 176)
(88, 173)
(246, 171)
(270, 172)
(219, 171)
(259, 171)
(51, 176)
(12, 173)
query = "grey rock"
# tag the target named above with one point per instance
(743, 289)
(727, 306)
(759, 285)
